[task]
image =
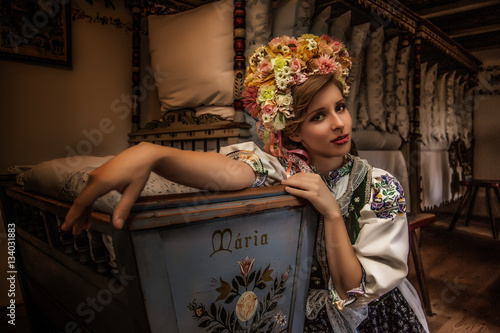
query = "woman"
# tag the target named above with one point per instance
(297, 88)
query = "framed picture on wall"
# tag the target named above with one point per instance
(36, 31)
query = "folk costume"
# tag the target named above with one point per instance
(370, 199)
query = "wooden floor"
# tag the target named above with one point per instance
(462, 271)
(463, 274)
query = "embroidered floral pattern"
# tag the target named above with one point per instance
(335, 175)
(388, 198)
(250, 314)
(254, 161)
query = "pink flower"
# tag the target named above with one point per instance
(246, 306)
(275, 42)
(327, 38)
(269, 109)
(250, 100)
(326, 64)
(291, 42)
(337, 46)
(265, 67)
(294, 65)
(246, 266)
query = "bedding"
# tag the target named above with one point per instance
(64, 179)
(184, 80)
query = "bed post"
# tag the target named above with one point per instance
(136, 62)
(239, 59)
(415, 185)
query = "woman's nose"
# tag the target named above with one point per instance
(337, 122)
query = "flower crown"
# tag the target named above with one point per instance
(284, 62)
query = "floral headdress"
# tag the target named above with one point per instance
(276, 67)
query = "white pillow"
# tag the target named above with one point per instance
(358, 38)
(340, 27)
(375, 80)
(321, 22)
(258, 24)
(402, 110)
(195, 65)
(292, 17)
(390, 52)
(65, 178)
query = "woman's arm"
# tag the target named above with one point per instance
(343, 263)
(129, 171)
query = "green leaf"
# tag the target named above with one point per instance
(240, 280)
(205, 323)
(250, 279)
(230, 298)
(213, 310)
(235, 284)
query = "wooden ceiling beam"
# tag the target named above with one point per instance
(456, 7)
(474, 31)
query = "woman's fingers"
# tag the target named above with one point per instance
(129, 196)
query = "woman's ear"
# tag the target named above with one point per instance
(295, 138)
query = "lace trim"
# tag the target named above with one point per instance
(346, 320)
(352, 295)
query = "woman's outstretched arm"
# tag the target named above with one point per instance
(129, 171)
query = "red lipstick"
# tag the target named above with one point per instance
(341, 139)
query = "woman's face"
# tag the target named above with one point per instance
(326, 130)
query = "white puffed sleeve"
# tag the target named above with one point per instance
(382, 245)
(268, 170)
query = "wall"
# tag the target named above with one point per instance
(487, 124)
(48, 112)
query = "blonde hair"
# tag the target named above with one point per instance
(302, 95)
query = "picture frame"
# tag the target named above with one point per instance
(37, 32)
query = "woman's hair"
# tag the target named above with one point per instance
(302, 95)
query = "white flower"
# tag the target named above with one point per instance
(281, 83)
(285, 48)
(284, 100)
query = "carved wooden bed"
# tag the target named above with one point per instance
(134, 280)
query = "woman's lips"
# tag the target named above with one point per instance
(341, 139)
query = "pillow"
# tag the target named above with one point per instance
(185, 79)
(402, 110)
(358, 37)
(258, 24)
(361, 106)
(375, 80)
(292, 17)
(340, 27)
(321, 21)
(390, 52)
(65, 178)
(376, 140)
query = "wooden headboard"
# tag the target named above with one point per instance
(182, 128)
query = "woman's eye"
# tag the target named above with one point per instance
(317, 117)
(340, 108)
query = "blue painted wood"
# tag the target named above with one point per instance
(192, 272)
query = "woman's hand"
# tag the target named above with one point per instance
(310, 186)
(127, 173)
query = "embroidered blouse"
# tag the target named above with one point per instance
(380, 240)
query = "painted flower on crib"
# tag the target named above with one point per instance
(249, 315)
(246, 306)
